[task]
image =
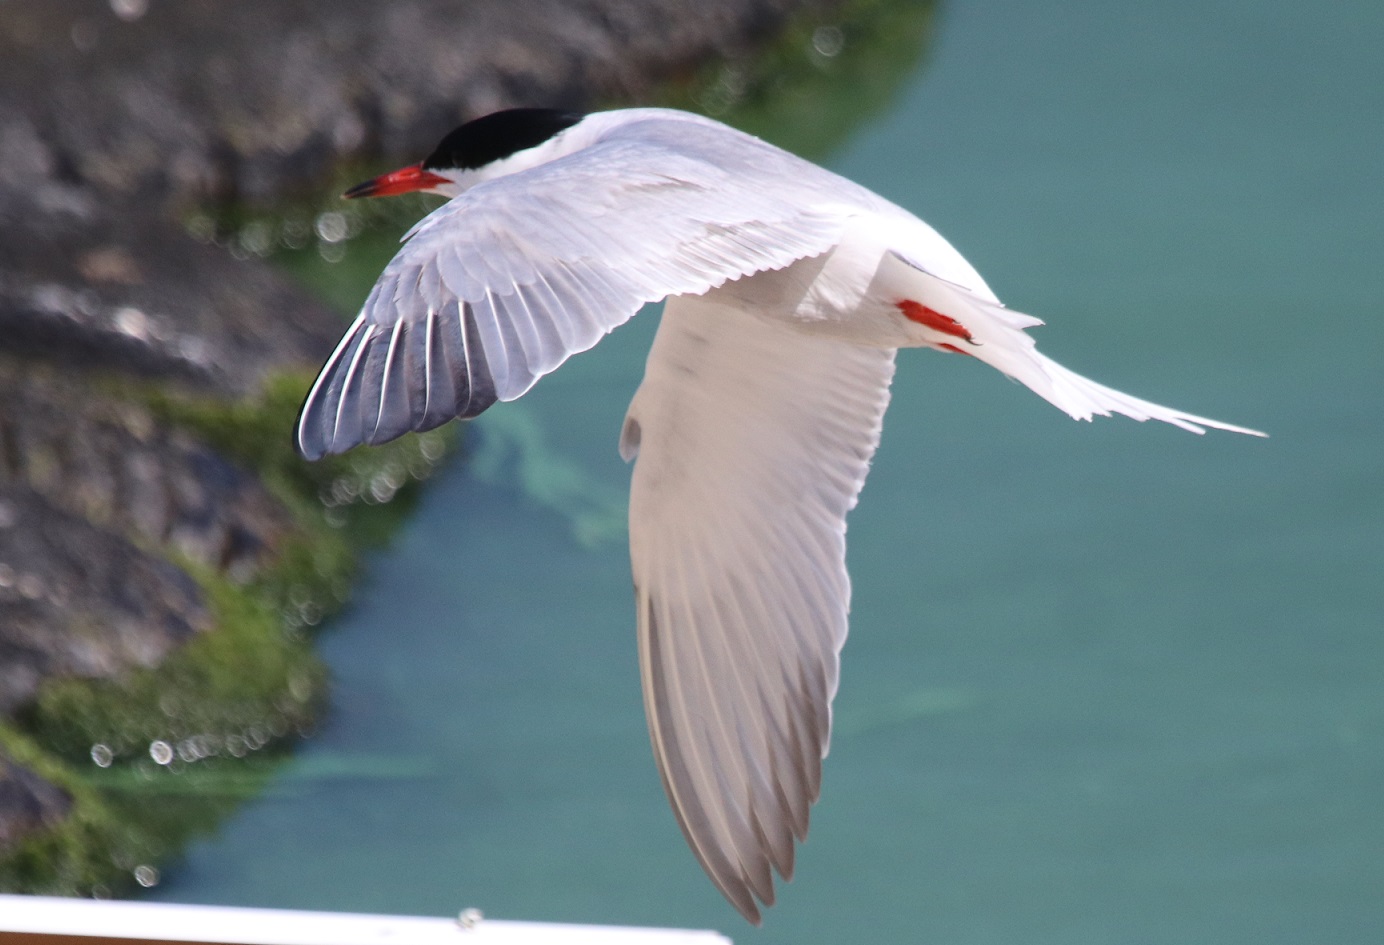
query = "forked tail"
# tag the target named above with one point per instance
(983, 328)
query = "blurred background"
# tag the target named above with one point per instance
(1107, 683)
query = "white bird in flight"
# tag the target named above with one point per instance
(788, 291)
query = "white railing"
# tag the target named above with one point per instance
(32, 919)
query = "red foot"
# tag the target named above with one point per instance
(946, 347)
(917, 312)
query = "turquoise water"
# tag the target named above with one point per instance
(1107, 683)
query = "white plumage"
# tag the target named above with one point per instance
(789, 290)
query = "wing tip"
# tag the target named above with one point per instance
(745, 877)
(379, 385)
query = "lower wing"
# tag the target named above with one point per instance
(753, 441)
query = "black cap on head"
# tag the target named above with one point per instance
(498, 135)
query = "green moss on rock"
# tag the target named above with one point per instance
(161, 754)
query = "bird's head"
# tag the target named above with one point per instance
(482, 149)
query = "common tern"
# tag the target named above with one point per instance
(788, 290)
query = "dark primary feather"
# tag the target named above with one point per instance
(383, 382)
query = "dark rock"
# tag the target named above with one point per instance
(103, 281)
(27, 803)
(110, 126)
(207, 99)
(110, 462)
(79, 600)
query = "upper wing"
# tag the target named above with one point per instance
(503, 283)
(753, 441)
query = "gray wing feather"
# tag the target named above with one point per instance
(502, 284)
(752, 447)
(380, 384)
